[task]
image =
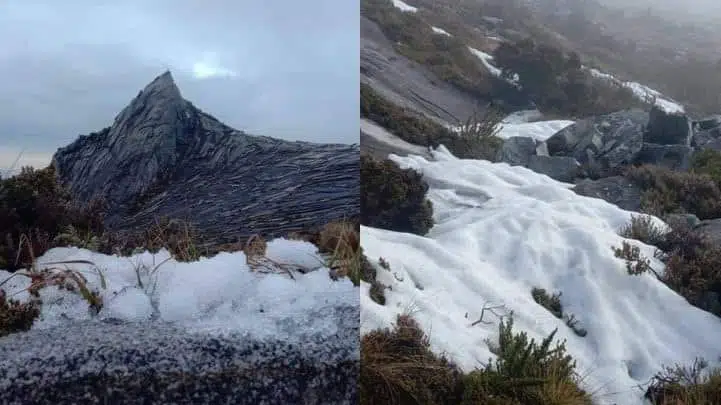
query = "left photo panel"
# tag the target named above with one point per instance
(179, 202)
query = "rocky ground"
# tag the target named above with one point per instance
(106, 362)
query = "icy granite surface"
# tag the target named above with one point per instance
(116, 362)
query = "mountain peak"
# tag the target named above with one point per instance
(163, 87)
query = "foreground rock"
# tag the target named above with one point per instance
(164, 157)
(160, 363)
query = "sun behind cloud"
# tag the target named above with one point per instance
(208, 67)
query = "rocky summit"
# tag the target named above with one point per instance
(164, 157)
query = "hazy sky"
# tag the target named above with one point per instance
(275, 67)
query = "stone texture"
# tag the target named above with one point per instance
(602, 144)
(96, 362)
(561, 168)
(712, 229)
(616, 190)
(674, 157)
(517, 150)
(668, 128)
(164, 157)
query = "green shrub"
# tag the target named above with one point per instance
(642, 228)
(685, 385)
(708, 161)
(553, 304)
(393, 198)
(556, 82)
(665, 191)
(398, 367)
(34, 206)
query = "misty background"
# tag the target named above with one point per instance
(277, 68)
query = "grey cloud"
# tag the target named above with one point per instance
(67, 68)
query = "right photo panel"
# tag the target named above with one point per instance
(540, 202)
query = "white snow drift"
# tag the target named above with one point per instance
(500, 231)
(404, 6)
(214, 295)
(642, 92)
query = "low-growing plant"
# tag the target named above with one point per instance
(553, 304)
(643, 228)
(667, 192)
(16, 316)
(635, 262)
(393, 198)
(687, 385)
(398, 367)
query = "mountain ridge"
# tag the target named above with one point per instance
(162, 156)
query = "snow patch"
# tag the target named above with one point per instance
(404, 6)
(441, 31)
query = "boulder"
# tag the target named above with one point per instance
(712, 229)
(517, 150)
(602, 144)
(561, 168)
(617, 190)
(666, 128)
(674, 157)
(707, 123)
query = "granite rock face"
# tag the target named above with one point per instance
(668, 128)
(602, 143)
(164, 157)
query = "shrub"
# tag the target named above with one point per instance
(708, 161)
(398, 367)
(368, 274)
(642, 228)
(393, 198)
(685, 385)
(557, 83)
(553, 304)
(665, 191)
(34, 205)
(16, 316)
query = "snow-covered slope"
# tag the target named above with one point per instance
(500, 231)
(642, 92)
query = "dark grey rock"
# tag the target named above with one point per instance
(164, 157)
(712, 229)
(517, 150)
(95, 362)
(668, 128)
(707, 123)
(690, 220)
(708, 139)
(602, 144)
(561, 168)
(616, 190)
(674, 157)
(407, 83)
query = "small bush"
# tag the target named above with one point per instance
(668, 192)
(394, 199)
(642, 228)
(368, 274)
(33, 205)
(16, 316)
(635, 262)
(685, 385)
(708, 161)
(398, 367)
(553, 304)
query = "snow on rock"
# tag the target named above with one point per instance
(240, 336)
(540, 130)
(642, 92)
(486, 59)
(441, 31)
(500, 231)
(404, 6)
(214, 294)
(376, 131)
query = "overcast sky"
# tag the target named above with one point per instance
(281, 68)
